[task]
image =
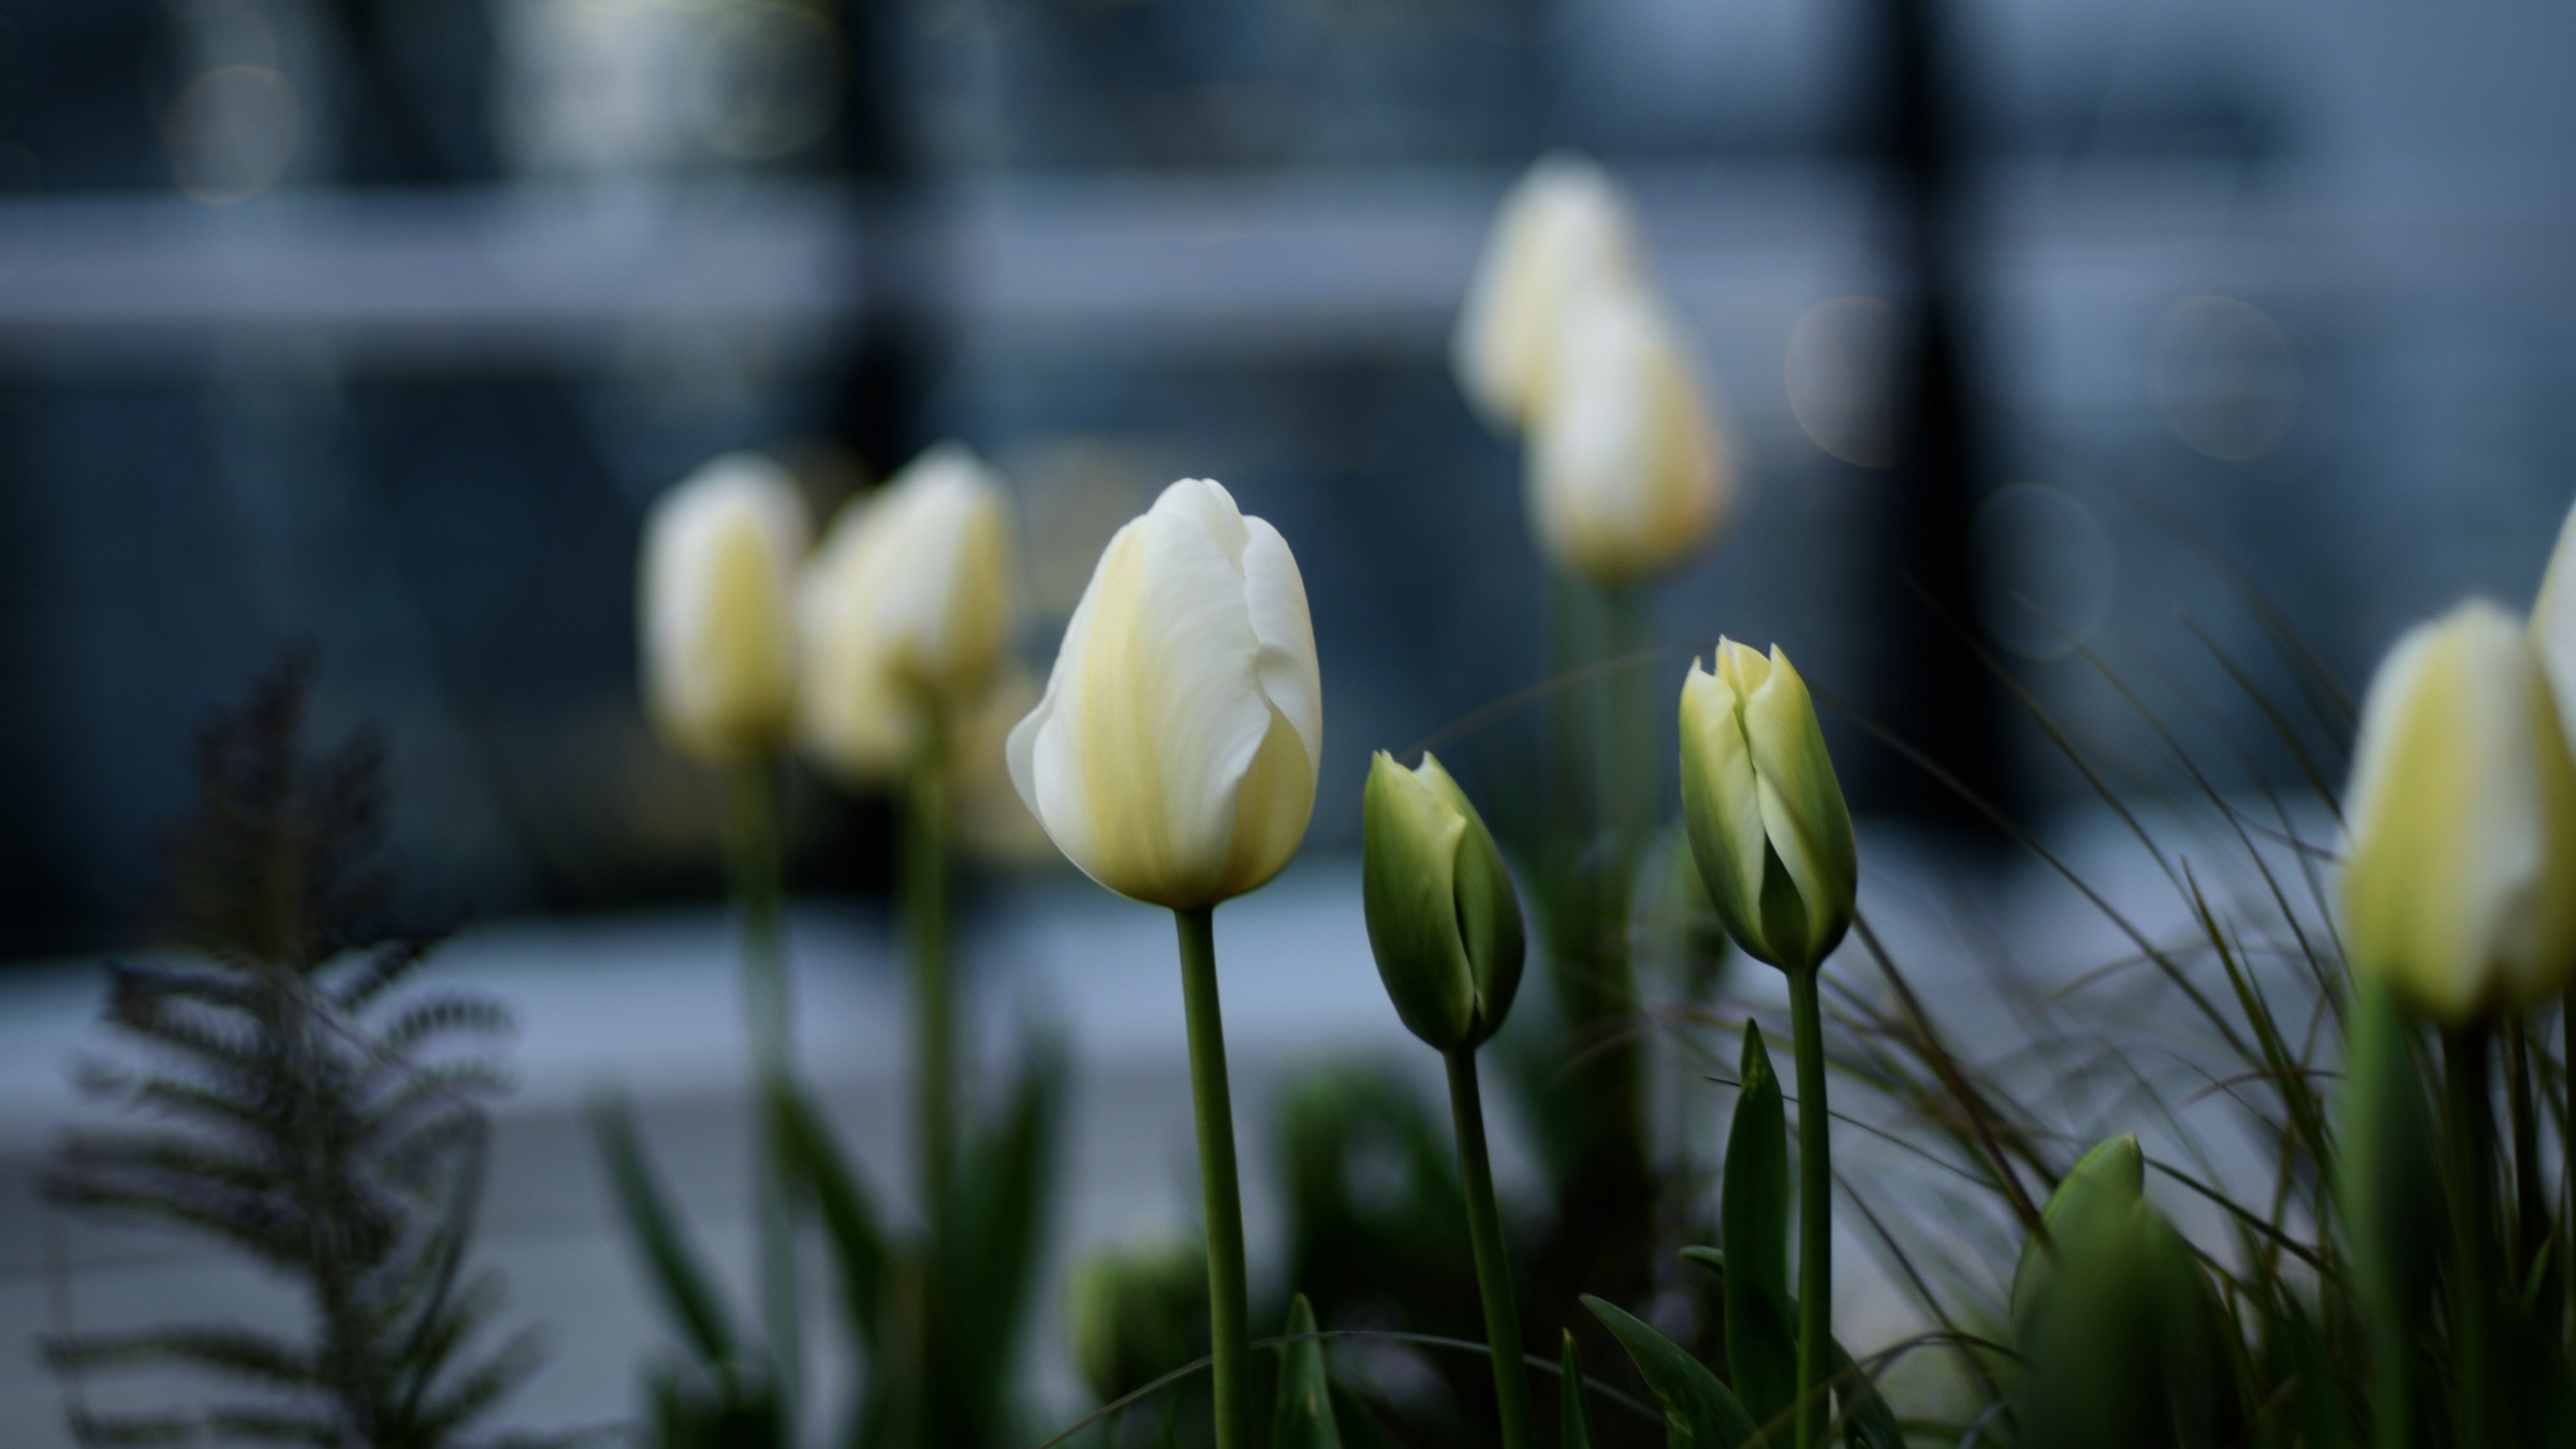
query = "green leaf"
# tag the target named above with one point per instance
(673, 1263)
(1305, 1415)
(1761, 1344)
(1574, 1421)
(1699, 1411)
(850, 1221)
(983, 1256)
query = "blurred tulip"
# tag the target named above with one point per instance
(1564, 226)
(719, 650)
(1173, 756)
(1765, 813)
(1443, 920)
(904, 611)
(1627, 475)
(2462, 821)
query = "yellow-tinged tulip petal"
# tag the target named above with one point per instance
(905, 610)
(1627, 475)
(1763, 809)
(1565, 226)
(1173, 755)
(718, 647)
(2462, 820)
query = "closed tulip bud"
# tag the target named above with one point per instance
(1173, 754)
(1564, 227)
(1627, 476)
(718, 647)
(1442, 918)
(904, 610)
(2462, 821)
(1765, 814)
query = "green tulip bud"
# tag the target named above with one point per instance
(1765, 813)
(1442, 917)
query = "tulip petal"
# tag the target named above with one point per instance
(1287, 668)
(1489, 910)
(1722, 802)
(1408, 886)
(1802, 803)
(719, 637)
(1625, 473)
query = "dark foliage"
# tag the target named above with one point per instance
(280, 1104)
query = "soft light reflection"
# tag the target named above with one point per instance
(2047, 569)
(1837, 375)
(2226, 381)
(232, 132)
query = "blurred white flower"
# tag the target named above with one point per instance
(1627, 473)
(2462, 821)
(718, 646)
(1564, 228)
(904, 611)
(1173, 756)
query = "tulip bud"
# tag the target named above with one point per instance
(1765, 813)
(1442, 918)
(904, 610)
(1564, 226)
(2462, 821)
(1173, 755)
(1627, 476)
(718, 647)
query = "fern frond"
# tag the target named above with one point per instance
(239, 1351)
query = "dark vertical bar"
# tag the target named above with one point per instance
(879, 406)
(1931, 689)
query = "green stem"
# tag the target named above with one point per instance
(2468, 1157)
(1815, 1210)
(1220, 1192)
(1632, 752)
(759, 894)
(1493, 1265)
(925, 912)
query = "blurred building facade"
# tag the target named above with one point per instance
(375, 325)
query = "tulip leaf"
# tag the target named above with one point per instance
(1574, 1421)
(1761, 1345)
(1700, 1412)
(1305, 1415)
(851, 1224)
(985, 1248)
(673, 1263)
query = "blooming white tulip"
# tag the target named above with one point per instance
(718, 647)
(2553, 622)
(1173, 754)
(2462, 821)
(904, 611)
(1627, 476)
(1564, 227)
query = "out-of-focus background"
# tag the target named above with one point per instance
(376, 325)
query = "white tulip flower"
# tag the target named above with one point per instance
(718, 646)
(1764, 809)
(904, 611)
(1564, 227)
(1627, 473)
(2462, 822)
(1173, 755)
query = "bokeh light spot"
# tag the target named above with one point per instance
(2226, 381)
(1837, 376)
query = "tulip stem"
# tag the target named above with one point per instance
(2469, 1163)
(1220, 1193)
(1815, 1208)
(759, 895)
(925, 911)
(1493, 1265)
